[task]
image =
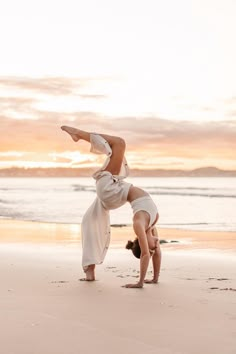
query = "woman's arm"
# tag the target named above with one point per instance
(144, 261)
(156, 260)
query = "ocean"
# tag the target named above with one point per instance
(188, 203)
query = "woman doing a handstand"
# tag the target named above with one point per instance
(113, 192)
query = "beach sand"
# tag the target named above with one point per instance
(45, 309)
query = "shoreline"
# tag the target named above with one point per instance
(19, 231)
(8, 219)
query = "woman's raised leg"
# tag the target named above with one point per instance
(117, 145)
(76, 134)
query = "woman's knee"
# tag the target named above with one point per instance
(122, 142)
(119, 143)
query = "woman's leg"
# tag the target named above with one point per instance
(117, 145)
(76, 134)
(118, 149)
(90, 273)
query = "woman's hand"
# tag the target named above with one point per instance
(137, 285)
(151, 281)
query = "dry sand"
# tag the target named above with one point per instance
(45, 309)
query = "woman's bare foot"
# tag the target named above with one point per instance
(90, 273)
(73, 132)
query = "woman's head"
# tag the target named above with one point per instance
(134, 247)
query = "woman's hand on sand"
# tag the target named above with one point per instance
(150, 281)
(137, 285)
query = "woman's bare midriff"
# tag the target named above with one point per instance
(135, 193)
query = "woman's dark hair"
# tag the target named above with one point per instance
(134, 247)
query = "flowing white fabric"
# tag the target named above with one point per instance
(95, 230)
(112, 192)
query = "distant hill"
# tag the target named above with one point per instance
(86, 172)
(198, 172)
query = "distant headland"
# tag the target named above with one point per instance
(87, 172)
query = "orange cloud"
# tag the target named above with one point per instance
(55, 86)
(150, 140)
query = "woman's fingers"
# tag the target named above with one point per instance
(148, 281)
(132, 286)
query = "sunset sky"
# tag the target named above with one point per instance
(159, 73)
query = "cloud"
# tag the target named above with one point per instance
(44, 134)
(52, 86)
(230, 107)
(176, 137)
(56, 86)
(147, 136)
(92, 96)
(230, 101)
(30, 98)
(17, 107)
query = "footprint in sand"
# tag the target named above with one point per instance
(219, 279)
(110, 267)
(59, 281)
(224, 289)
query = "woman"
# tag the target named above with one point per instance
(113, 192)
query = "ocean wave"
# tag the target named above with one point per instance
(82, 188)
(179, 188)
(153, 190)
(36, 189)
(175, 191)
(194, 194)
(3, 201)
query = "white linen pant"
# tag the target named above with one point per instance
(95, 228)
